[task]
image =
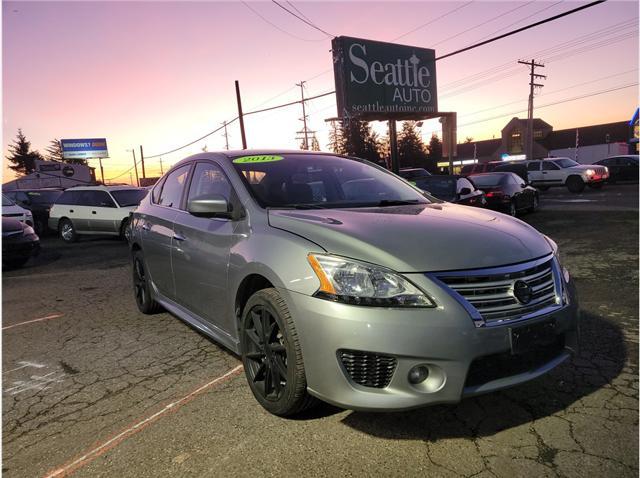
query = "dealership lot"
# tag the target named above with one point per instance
(92, 386)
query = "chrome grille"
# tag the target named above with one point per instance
(492, 294)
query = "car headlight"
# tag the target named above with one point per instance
(556, 253)
(359, 283)
(590, 172)
(28, 230)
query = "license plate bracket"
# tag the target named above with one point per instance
(526, 337)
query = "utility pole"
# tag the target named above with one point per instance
(142, 162)
(135, 165)
(161, 171)
(305, 132)
(226, 136)
(532, 85)
(240, 117)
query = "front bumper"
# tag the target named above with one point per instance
(444, 339)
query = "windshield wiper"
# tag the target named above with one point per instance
(398, 202)
(300, 206)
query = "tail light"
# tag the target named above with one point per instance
(494, 194)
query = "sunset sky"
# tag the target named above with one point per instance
(161, 74)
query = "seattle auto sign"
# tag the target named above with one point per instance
(377, 80)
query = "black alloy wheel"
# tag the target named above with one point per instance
(267, 354)
(272, 355)
(141, 287)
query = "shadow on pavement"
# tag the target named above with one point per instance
(601, 359)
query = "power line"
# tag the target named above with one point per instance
(297, 10)
(481, 24)
(434, 20)
(521, 29)
(276, 26)
(312, 25)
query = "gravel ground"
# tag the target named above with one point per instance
(90, 376)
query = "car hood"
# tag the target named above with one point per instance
(417, 238)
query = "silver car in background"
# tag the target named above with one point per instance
(337, 280)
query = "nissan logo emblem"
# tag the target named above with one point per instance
(522, 291)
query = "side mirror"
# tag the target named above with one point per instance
(523, 184)
(465, 191)
(210, 205)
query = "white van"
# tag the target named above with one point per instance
(94, 210)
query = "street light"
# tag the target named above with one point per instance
(135, 165)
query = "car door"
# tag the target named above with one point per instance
(523, 199)
(80, 210)
(629, 169)
(551, 173)
(104, 213)
(534, 171)
(156, 228)
(200, 252)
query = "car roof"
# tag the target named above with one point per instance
(102, 188)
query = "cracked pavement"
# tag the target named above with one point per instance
(103, 366)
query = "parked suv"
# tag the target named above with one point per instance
(546, 173)
(39, 202)
(335, 279)
(94, 210)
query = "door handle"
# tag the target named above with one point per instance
(70, 210)
(179, 237)
(93, 212)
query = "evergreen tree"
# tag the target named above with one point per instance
(359, 140)
(335, 138)
(22, 157)
(435, 153)
(412, 151)
(315, 145)
(468, 139)
(54, 151)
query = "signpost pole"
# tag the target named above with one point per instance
(393, 146)
(101, 169)
(142, 162)
(240, 117)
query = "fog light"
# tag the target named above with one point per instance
(418, 374)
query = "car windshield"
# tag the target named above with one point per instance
(129, 197)
(307, 181)
(43, 197)
(565, 163)
(486, 180)
(6, 201)
(440, 187)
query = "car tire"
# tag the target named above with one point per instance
(39, 226)
(596, 185)
(535, 204)
(513, 210)
(272, 355)
(141, 286)
(67, 231)
(125, 230)
(575, 184)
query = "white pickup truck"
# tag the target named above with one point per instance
(546, 173)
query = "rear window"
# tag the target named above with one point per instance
(487, 180)
(6, 201)
(129, 197)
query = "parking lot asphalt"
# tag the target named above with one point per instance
(91, 387)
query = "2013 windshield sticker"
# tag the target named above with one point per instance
(263, 158)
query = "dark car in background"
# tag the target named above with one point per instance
(506, 192)
(19, 243)
(519, 168)
(621, 168)
(412, 174)
(39, 202)
(451, 188)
